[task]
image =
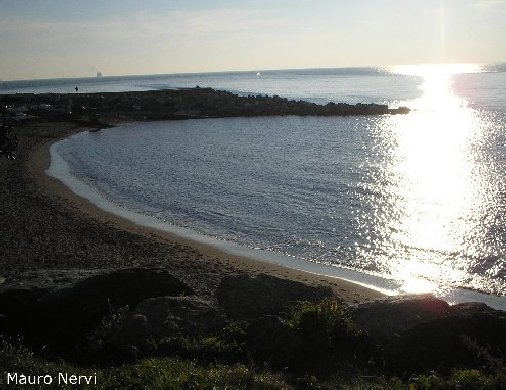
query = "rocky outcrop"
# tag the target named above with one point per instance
(95, 109)
(20, 296)
(470, 336)
(387, 318)
(94, 297)
(64, 312)
(245, 296)
(71, 308)
(156, 318)
(420, 333)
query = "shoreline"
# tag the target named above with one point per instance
(189, 257)
(39, 161)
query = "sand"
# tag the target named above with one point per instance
(46, 226)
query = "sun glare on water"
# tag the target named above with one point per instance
(435, 182)
(436, 86)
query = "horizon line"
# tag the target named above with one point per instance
(379, 67)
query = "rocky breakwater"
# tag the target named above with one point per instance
(96, 317)
(98, 109)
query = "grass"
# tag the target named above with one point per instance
(179, 373)
(152, 373)
(331, 352)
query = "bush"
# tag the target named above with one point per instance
(330, 338)
(325, 325)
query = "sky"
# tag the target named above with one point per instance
(76, 38)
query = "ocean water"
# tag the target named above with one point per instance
(418, 199)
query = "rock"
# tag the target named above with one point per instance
(386, 318)
(64, 305)
(245, 296)
(471, 309)
(20, 295)
(84, 303)
(471, 337)
(156, 318)
(18, 308)
(421, 333)
(181, 103)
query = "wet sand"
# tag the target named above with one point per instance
(46, 226)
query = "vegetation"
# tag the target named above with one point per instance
(179, 373)
(315, 346)
(151, 373)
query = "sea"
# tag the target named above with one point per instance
(410, 203)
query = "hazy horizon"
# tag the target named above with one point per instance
(70, 39)
(390, 67)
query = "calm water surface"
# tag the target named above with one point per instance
(418, 198)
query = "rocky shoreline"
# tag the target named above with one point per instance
(286, 325)
(101, 109)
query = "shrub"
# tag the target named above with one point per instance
(327, 324)
(330, 338)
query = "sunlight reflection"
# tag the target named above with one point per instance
(433, 182)
(437, 85)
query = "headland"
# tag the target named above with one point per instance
(95, 109)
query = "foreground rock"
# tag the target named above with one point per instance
(64, 311)
(471, 336)
(245, 296)
(156, 318)
(421, 333)
(387, 318)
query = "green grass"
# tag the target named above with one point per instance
(331, 352)
(177, 373)
(153, 373)
(329, 336)
(327, 318)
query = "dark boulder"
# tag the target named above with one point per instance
(89, 300)
(245, 296)
(68, 306)
(471, 337)
(157, 318)
(20, 295)
(18, 308)
(387, 318)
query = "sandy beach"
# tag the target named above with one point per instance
(46, 226)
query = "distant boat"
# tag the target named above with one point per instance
(99, 74)
(258, 74)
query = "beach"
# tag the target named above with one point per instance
(45, 226)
